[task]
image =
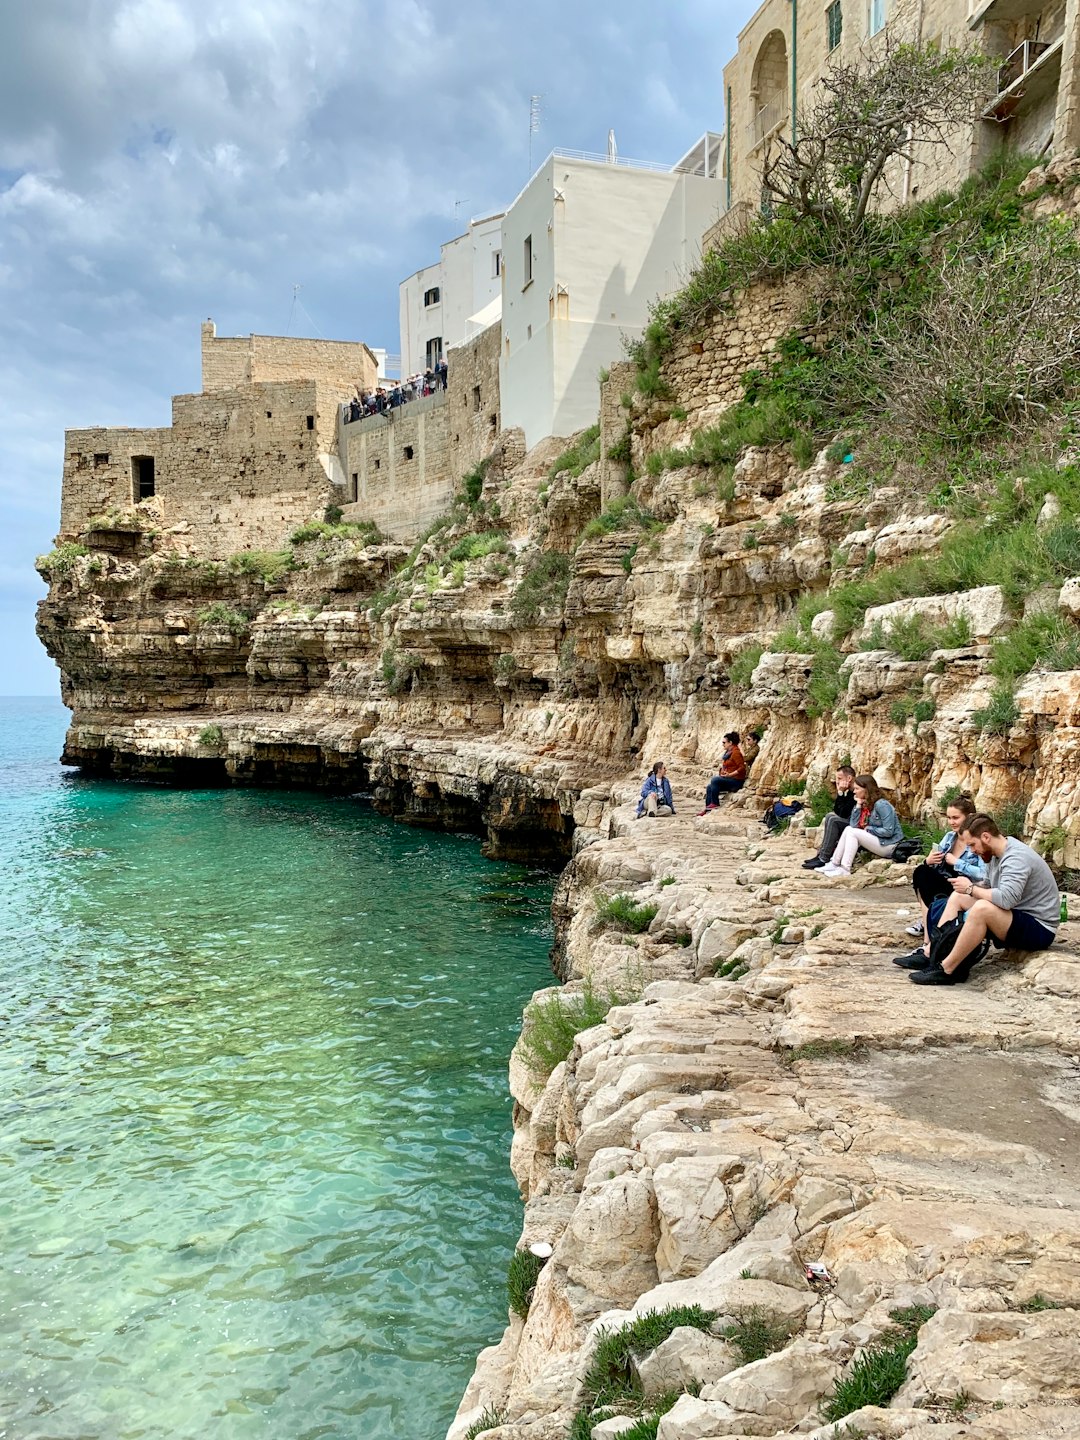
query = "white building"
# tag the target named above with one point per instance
(586, 246)
(438, 304)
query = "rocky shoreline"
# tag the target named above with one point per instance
(780, 1095)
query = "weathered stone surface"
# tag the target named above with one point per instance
(688, 1358)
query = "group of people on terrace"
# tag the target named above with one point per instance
(976, 888)
(386, 399)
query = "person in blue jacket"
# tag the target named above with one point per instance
(656, 793)
(932, 879)
(874, 826)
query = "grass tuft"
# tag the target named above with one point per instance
(881, 1369)
(756, 1333)
(621, 912)
(521, 1276)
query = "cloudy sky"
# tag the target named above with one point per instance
(162, 161)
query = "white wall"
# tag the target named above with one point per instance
(419, 322)
(464, 275)
(619, 237)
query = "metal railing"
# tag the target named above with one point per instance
(1019, 62)
(596, 159)
(771, 115)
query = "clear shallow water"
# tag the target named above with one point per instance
(253, 1116)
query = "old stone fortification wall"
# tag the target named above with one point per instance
(404, 467)
(238, 469)
(398, 466)
(232, 361)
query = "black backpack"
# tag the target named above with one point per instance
(905, 850)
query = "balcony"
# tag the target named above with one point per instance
(1029, 74)
(767, 120)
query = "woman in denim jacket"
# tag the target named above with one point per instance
(949, 858)
(874, 826)
(656, 793)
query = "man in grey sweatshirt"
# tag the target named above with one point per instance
(1017, 909)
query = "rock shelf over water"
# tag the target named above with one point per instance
(705, 1143)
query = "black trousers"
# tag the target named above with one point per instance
(931, 882)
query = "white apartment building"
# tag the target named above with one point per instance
(446, 303)
(586, 246)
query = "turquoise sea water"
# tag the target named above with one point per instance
(254, 1138)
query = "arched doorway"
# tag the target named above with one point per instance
(769, 104)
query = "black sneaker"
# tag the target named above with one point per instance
(815, 864)
(934, 976)
(913, 960)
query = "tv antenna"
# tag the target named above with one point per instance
(534, 124)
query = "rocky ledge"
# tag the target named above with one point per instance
(780, 1097)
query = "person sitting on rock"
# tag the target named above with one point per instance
(656, 793)
(933, 879)
(1018, 908)
(732, 774)
(835, 823)
(874, 825)
(751, 746)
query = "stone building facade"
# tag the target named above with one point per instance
(244, 462)
(401, 469)
(786, 46)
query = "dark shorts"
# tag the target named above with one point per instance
(1025, 933)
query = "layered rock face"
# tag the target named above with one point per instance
(769, 1093)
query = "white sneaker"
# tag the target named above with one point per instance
(832, 871)
(915, 929)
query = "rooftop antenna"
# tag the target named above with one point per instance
(298, 303)
(457, 210)
(292, 308)
(534, 124)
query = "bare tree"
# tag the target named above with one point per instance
(997, 342)
(865, 115)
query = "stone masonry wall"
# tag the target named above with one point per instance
(475, 414)
(398, 466)
(229, 362)
(236, 470)
(403, 468)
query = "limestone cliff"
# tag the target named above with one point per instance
(773, 1094)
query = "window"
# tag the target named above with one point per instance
(433, 351)
(408, 452)
(834, 22)
(496, 264)
(100, 460)
(877, 16)
(311, 422)
(354, 488)
(431, 297)
(378, 464)
(476, 398)
(142, 477)
(528, 270)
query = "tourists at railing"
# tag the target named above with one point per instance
(656, 794)
(385, 401)
(732, 774)
(933, 879)
(874, 825)
(1018, 907)
(835, 823)
(441, 370)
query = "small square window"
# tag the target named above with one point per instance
(431, 297)
(834, 23)
(408, 452)
(100, 460)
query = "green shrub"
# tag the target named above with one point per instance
(621, 912)
(505, 667)
(881, 1369)
(62, 559)
(224, 617)
(542, 587)
(472, 484)
(755, 1333)
(1011, 818)
(819, 802)
(552, 1024)
(399, 669)
(577, 457)
(211, 736)
(366, 531)
(741, 670)
(521, 1276)
(1000, 714)
(620, 452)
(624, 513)
(1042, 640)
(826, 684)
(491, 1419)
(610, 1378)
(268, 565)
(476, 547)
(627, 561)
(382, 600)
